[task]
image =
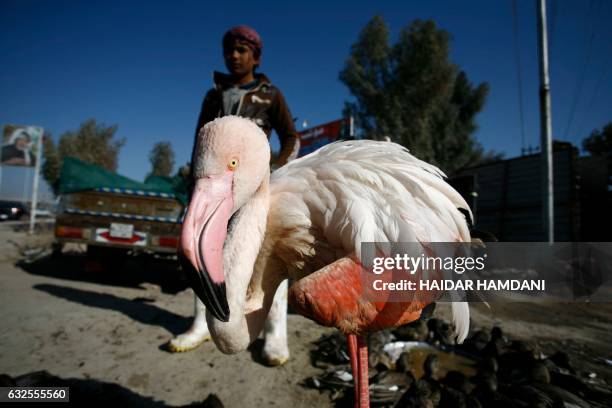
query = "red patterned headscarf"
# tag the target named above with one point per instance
(246, 34)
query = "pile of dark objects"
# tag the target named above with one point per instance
(492, 371)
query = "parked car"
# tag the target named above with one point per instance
(12, 210)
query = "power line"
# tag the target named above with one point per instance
(517, 59)
(553, 23)
(589, 35)
(598, 83)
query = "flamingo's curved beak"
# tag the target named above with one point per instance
(202, 238)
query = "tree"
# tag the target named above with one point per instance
(52, 166)
(162, 159)
(599, 142)
(92, 142)
(413, 93)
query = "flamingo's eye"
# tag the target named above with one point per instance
(232, 164)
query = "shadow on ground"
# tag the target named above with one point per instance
(127, 271)
(90, 392)
(256, 350)
(138, 309)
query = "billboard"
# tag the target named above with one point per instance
(315, 137)
(20, 145)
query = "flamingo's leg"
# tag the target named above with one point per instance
(276, 349)
(364, 389)
(351, 340)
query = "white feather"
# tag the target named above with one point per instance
(369, 191)
(461, 320)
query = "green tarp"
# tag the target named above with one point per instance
(77, 175)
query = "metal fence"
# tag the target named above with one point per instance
(506, 197)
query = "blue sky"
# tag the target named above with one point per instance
(145, 66)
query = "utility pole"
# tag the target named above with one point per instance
(34, 205)
(546, 153)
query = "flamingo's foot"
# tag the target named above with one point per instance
(187, 341)
(275, 352)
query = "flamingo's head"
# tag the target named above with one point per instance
(229, 164)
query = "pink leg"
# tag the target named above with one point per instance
(364, 390)
(351, 340)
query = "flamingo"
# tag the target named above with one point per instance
(246, 231)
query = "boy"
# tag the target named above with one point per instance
(246, 93)
(243, 92)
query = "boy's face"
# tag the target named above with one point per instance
(239, 58)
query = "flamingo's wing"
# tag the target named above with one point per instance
(368, 191)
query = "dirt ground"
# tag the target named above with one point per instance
(110, 327)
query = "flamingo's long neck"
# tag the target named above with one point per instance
(247, 313)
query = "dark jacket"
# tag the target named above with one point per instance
(264, 104)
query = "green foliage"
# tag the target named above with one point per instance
(412, 92)
(162, 159)
(92, 142)
(599, 142)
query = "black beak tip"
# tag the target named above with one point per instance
(212, 294)
(223, 316)
(216, 301)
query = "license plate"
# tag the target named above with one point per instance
(121, 230)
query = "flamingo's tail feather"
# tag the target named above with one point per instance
(461, 320)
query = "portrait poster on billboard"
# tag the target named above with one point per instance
(20, 145)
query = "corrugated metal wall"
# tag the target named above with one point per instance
(509, 197)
